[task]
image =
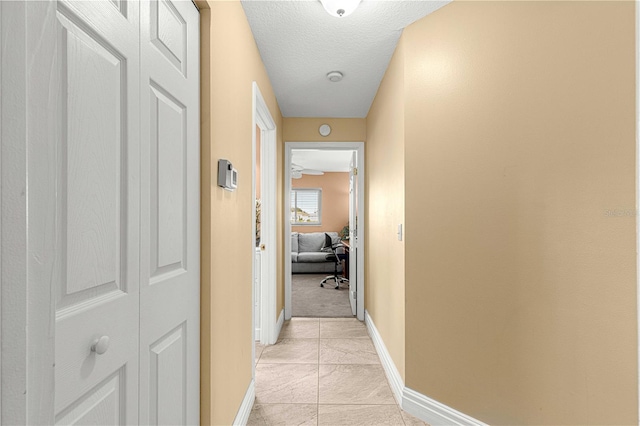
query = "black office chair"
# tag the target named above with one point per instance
(333, 256)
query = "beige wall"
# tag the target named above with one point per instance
(335, 200)
(228, 70)
(384, 254)
(342, 129)
(517, 135)
(520, 290)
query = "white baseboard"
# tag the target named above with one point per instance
(279, 325)
(434, 412)
(393, 375)
(414, 403)
(247, 404)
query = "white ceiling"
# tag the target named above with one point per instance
(326, 161)
(300, 43)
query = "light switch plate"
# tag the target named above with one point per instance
(400, 232)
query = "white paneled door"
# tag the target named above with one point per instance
(127, 287)
(170, 240)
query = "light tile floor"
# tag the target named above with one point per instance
(323, 371)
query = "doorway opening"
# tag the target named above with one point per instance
(324, 195)
(264, 221)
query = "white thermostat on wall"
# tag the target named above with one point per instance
(227, 175)
(325, 130)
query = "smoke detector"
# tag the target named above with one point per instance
(334, 76)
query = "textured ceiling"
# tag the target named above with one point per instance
(300, 43)
(324, 160)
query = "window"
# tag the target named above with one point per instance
(306, 206)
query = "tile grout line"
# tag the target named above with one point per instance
(319, 363)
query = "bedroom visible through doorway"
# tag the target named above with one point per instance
(322, 199)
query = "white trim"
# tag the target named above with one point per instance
(247, 405)
(434, 412)
(28, 59)
(263, 119)
(279, 324)
(414, 403)
(287, 232)
(14, 238)
(393, 375)
(359, 147)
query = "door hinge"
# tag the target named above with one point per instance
(355, 293)
(355, 171)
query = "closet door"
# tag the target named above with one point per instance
(170, 238)
(98, 210)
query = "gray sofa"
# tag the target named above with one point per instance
(307, 254)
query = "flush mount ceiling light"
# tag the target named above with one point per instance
(340, 8)
(334, 76)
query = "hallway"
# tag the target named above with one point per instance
(323, 371)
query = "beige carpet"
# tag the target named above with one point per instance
(311, 300)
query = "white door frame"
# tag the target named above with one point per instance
(27, 248)
(331, 146)
(263, 119)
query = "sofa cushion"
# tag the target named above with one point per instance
(314, 268)
(311, 242)
(315, 257)
(294, 242)
(294, 257)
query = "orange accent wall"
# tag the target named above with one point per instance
(335, 200)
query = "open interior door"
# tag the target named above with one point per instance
(353, 230)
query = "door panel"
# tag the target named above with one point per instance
(170, 240)
(98, 212)
(168, 33)
(91, 147)
(101, 405)
(168, 184)
(168, 379)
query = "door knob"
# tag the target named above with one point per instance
(100, 345)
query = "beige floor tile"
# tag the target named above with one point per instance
(291, 351)
(259, 349)
(370, 415)
(354, 384)
(301, 328)
(348, 351)
(286, 383)
(409, 420)
(283, 414)
(346, 329)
